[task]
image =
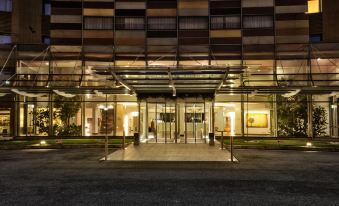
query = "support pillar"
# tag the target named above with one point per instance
(242, 114)
(310, 117)
(50, 117)
(275, 116)
(83, 117)
(16, 116)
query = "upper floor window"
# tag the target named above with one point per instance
(162, 23)
(225, 22)
(130, 23)
(5, 39)
(316, 38)
(253, 22)
(314, 6)
(47, 10)
(193, 23)
(99, 23)
(6, 5)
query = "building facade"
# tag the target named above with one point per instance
(169, 70)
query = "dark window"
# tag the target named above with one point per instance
(46, 40)
(194, 117)
(162, 23)
(315, 38)
(225, 22)
(100, 23)
(167, 117)
(6, 5)
(191, 23)
(253, 22)
(47, 10)
(130, 23)
(5, 39)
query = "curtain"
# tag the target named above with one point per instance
(167, 23)
(130, 23)
(258, 22)
(193, 23)
(225, 22)
(6, 5)
(100, 23)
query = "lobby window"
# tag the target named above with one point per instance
(254, 22)
(225, 22)
(5, 39)
(314, 6)
(6, 5)
(130, 23)
(98, 23)
(162, 23)
(192, 23)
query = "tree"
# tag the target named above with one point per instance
(42, 120)
(67, 108)
(292, 117)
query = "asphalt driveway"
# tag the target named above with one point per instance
(76, 177)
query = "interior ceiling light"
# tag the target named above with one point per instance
(334, 94)
(26, 94)
(100, 94)
(64, 94)
(291, 94)
(253, 93)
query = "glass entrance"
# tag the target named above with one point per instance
(174, 122)
(195, 127)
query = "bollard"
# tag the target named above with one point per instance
(211, 139)
(106, 147)
(222, 140)
(136, 139)
(123, 139)
(231, 143)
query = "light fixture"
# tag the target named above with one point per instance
(292, 93)
(43, 143)
(7, 82)
(309, 144)
(318, 59)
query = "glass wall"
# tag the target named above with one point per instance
(171, 121)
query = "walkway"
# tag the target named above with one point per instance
(172, 152)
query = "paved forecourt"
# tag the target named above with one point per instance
(172, 152)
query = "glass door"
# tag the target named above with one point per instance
(195, 123)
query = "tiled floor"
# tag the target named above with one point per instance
(171, 152)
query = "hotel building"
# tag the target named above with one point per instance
(169, 71)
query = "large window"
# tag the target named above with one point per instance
(252, 22)
(193, 23)
(225, 22)
(162, 23)
(130, 23)
(6, 5)
(100, 23)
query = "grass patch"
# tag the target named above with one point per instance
(64, 141)
(283, 143)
